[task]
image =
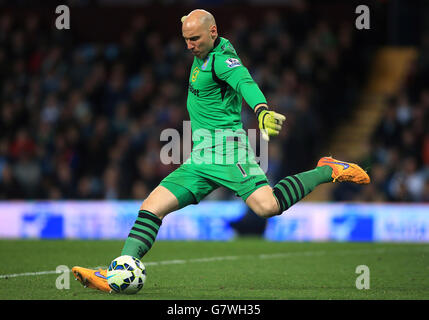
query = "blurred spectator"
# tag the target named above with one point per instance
(400, 147)
(9, 187)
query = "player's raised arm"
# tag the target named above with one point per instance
(229, 68)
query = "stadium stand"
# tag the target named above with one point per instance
(81, 119)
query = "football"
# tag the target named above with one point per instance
(126, 274)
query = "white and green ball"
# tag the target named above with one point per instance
(126, 274)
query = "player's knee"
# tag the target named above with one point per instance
(267, 208)
(160, 202)
(148, 206)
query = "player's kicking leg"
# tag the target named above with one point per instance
(140, 239)
(267, 202)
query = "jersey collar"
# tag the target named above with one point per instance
(216, 43)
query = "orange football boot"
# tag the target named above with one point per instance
(95, 279)
(345, 171)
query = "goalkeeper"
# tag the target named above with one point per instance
(218, 82)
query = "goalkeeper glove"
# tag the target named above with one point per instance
(270, 122)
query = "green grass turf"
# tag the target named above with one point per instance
(245, 269)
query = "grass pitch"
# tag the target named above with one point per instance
(252, 269)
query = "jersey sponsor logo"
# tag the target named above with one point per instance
(193, 90)
(232, 62)
(195, 73)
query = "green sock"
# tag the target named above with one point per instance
(293, 188)
(142, 235)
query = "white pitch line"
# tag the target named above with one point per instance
(177, 261)
(14, 275)
(224, 258)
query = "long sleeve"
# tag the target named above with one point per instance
(230, 69)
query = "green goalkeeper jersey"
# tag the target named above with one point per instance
(217, 86)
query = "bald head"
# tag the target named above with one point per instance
(199, 31)
(199, 17)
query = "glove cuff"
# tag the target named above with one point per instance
(260, 109)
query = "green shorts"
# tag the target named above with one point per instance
(190, 183)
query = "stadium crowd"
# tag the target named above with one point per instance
(83, 120)
(400, 143)
(399, 157)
